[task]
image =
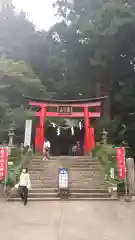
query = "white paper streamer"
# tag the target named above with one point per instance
(72, 130)
(58, 131)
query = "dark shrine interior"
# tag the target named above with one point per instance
(62, 144)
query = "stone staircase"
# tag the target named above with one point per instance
(86, 179)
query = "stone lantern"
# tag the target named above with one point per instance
(11, 135)
(104, 136)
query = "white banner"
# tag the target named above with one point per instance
(28, 130)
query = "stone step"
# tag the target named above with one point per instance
(42, 185)
(74, 190)
(42, 178)
(65, 161)
(64, 200)
(83, 185)
(71, 186)
(70, 159)
(70, 171)
(75, 168)
(46, 167)
(86, 166)
(86, 177)
(85, 181)
(72, 194)
(55, 172)
(64, 157)
(44, 182)
(40, 190)
(73, 165)
(83, 173)
(71, 174)
(56, 169)
(71, 181)
(72, 177)
(55, 164)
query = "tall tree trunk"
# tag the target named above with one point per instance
(98, 89)
(102, 90)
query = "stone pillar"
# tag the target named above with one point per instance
(131, 175)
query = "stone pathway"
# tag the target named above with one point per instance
(67, 221)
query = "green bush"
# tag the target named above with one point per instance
(96, 149)
(13, 172)
(15, 156)
(107, 157)
(15, 152)
(13, 159)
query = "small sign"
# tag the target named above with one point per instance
(63, 178)
(112, 173)
(64, 109)
(10, 163)
(3, 162)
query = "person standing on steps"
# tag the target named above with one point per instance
(74, 150)
(24, 185)
(46, 150)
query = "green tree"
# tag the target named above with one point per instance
(16, 33)
(16, 79)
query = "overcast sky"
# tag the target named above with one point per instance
(39, 11)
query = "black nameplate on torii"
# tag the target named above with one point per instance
(64, 109)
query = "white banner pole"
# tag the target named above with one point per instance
(28, 131)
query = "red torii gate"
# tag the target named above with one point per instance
(64, 109)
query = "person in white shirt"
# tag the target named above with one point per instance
(46, 149)
(24, 185)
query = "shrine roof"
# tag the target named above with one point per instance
(58, 101)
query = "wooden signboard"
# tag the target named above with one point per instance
(64, 109)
